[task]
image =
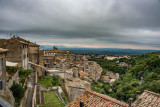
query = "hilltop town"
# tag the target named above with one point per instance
(76, 70)
(37, 72)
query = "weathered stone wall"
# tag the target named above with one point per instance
(75, 93)
(6, 94)
(3, 41)
(3, 71)
(34, 54)
(15, 53)
(41, 58)
(39, 69)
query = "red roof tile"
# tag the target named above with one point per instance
(147, 99)
(93, 99)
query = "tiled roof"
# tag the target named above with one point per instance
(25, 41)
(14, 41)
(147, 99)
(3, 50)
(93, 99)
(49, 55)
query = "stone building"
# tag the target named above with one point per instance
(5, 93)
(18, 52)
(41, 57)
(49, 60)
(34, 53)
(33, 49)
(57, 52)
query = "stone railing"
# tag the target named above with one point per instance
(23, 101)
(25, 82)
(34, 93)
(15, 78)
(34, 96)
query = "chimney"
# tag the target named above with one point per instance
(81, 104)
(130, 102)
(137, 94)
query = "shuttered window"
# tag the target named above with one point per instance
(1, 84)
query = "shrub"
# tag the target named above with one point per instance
(18, 92)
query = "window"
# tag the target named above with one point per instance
(1, 84)
(24, 56)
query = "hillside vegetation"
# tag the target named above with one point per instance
(144, 74)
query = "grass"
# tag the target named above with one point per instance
(47, 81)
(50, 81)
(51, 100)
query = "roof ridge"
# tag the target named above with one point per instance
(152, 93)
(110, 99)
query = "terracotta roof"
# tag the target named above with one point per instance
(3, 50)
(147, 99)
(93, 99)
(49, 55)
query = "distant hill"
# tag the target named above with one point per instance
(106, 51)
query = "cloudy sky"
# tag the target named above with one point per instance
(85, 23)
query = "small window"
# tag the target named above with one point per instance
(24, 56)
(1, 84)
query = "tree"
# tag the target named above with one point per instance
(18, 91)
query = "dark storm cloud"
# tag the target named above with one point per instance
(130, 22)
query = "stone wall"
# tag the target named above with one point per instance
(39, 69)
(34, 93)
(41, 58)
(34, 54)
(6, 94)
(15, 53)
(3, 71)
(75, 92)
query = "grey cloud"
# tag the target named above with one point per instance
(103, 21)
